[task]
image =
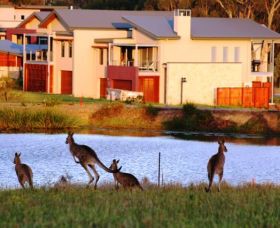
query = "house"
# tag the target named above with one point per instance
(13, 19)
(170, 56)
(10, 59)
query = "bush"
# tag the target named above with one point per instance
(152, 111)
(192, 119)
(6, 85)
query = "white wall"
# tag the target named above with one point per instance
(202, 81)
(86, 73)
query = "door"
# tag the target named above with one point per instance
(66, 82)
(150, 87)
(122, 84)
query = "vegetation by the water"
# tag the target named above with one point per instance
(29, 119)
(194, 119)
(170, 206)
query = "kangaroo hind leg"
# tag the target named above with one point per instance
(220, 180)
(96, 175)
(91, 179)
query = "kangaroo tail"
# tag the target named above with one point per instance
(107, 169)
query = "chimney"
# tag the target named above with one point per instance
(182, 22)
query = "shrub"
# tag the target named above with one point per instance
(6, 85)
(152, 111)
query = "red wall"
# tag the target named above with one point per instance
(10, 60)
(123, 73)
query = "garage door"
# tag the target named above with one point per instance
(150, 87)
(66, 82)
(122, 84)
(36, 78)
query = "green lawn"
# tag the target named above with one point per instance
(38, 97)
(245, 206)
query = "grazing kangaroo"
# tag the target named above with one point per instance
(216, 165)
(86, 157)
(127, 180)
(23, 171)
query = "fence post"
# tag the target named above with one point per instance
(159, 169)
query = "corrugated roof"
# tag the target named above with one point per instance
(10, 47)
(156, 26)
(202, 27)
(107, 19)
(42, 15)
(16, 49)
(159, 24)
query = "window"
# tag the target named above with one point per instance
(237, 54)
(225, 54)
(62, 49)
(101, 53)
(213, 54)
(22, 17)
(70, 49)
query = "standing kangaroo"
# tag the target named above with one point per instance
(86, 157)
(23, 171)
(216, 165)
(127, 180)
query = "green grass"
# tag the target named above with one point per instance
(32, 119)
(245, 206)
(38, 97)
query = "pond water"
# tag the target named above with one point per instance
(183, 160)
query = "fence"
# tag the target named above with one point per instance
(257, 96)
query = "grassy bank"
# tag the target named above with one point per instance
(34, 119)
(227, 121)
(250, 206)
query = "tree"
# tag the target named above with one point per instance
(237, 8)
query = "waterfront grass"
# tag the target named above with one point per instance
(34, 119)
(173, 206)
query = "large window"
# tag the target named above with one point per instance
(225, 54)
(70, 49)
(237, 54)
(62, 49)
(101, 56)
(214, 54)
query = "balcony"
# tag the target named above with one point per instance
(145, 58)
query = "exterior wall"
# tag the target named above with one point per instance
(61, 63)
(33, 24)
(86, 73)
(202, 81)
(54, 26)
(141, 38)
(11, 17)
(10, 65)
(199, 51)
(24, 12)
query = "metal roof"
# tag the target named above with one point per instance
(159, 24)
(156, 26)
(10, 47)
(16, 49)
(42, 15)
(104, 19)
(203, 27)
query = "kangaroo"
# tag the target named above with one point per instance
(86, 158)
(216, 165)
(127, 180)
(23, 171)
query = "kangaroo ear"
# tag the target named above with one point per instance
(16, 154)
(114, 160)
(118, 161)
(19, 154)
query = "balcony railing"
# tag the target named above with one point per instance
(146, 65)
